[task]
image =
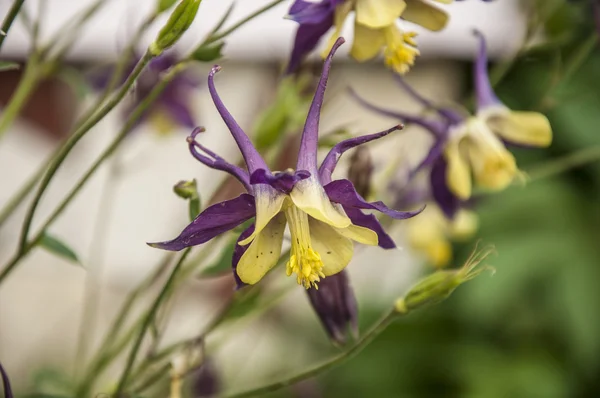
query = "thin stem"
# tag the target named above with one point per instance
(325, 366)
(219, 36)
(131, 120)
(147, 322)
(70, 144)
(28, 83)
(9, 19)
(565, 163)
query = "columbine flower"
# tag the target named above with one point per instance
(375, 28)
(172, 107)
(474, 145)
(324, 216)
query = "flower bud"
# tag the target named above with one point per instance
(189, 190)
(335, 304)
(361, 170)
(438, 286)
(164, 5)
(180, 20)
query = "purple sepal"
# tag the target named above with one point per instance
(213, 221)
(330, 161)
(435, 127)
(281, 181)
(483, 88)
(306, 39)
(253, 159)
(307, 154)
(238, 252)
(446, 200)
(335, 305)
(6, 383)
(179, 112)
(310, 13)
(370, 221)
(343, 192)
(432, 156)
(447, 113)
(217, 162)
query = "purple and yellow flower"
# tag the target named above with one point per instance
(474, 147)
(172, 108)
(323, 216)
(375, 28)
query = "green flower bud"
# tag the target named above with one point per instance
(438, 286)
(189, 190)
(180, 20)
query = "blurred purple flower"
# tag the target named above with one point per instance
(5, 383)
(324, 216)
(172, 107)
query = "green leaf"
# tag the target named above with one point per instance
(55, 246)
(209, 53)
(6, 65)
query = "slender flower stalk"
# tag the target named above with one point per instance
(324, 216)
(9, 19)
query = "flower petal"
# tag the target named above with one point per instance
(306, 39)
(330, 161)
(371, 222)
(445, 199)
(238, 252)
(335, 250)
(458, 172)
(253, 159)
(360, 234)
(283, 182)
(263, 253)
(180, 112)
(213, 221)
(268, 204)
(306, 12)
(483, 88)
(343, 192)
(307, 155)
(378, 13)
(521, 128)
(425, 15)
(367, 43)
(309, 196)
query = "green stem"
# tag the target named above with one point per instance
(219, 36)
(325, 366)
(131, 120)
(147, 322)
(566, 163)
(9, 19)
(70, 144)
(28, 83)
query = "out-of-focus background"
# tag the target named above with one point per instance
(531, 330)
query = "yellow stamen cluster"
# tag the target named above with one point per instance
(400, 49)
(304, 261)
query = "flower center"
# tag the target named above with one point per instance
(400, 49)
(304, 261)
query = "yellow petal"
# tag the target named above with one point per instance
(367, 42)
(525, 128)
(341, 12)
(335, 250)
(268, 203)
(464, 225)
(439, 253)
(378, 13)
(263, 253)
(309, 196)
(458, 173)
(360, 234)
(427, 234)
(426, 15)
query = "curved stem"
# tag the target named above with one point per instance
(131, 120)
(72, 141)
(147, 322)
(565, 163)
(9, 19)
(325, 366)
